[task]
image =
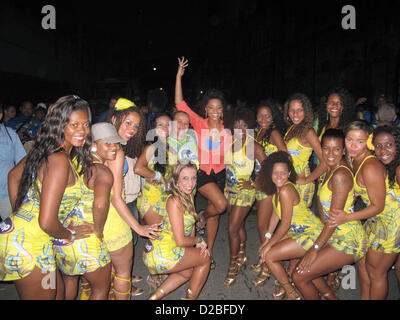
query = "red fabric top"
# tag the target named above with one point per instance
(209, 158)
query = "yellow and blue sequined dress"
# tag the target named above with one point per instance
(23, 244)
(83, 255)
(300, 156)
(383, 229)
(305, 227)
(161, 254)
(239, 167)
(269, 148)
(350, 237)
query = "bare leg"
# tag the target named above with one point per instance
(217, 204)
(122, 263)
(328, 259)
(263, 216)
(378, 264)
(365, 282)
(192, 266)
(397, 269)
(99, 282)
(37, 285)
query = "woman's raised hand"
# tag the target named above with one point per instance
(182, 64)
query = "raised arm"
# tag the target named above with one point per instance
(182, 64)
(277, 140)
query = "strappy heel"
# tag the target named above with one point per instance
(334, 281)
(189, 295)
(256, 267)
(290, 291)
(242, 259)
(154, 296)
(262, 277)
(153, 284)
(233, 271)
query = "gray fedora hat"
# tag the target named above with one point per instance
(107, 132)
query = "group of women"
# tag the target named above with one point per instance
(70, 220)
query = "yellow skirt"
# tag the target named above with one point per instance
(117, 233)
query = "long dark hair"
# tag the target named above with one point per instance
(301, 129)
(264, 178)
(277, 120)
(134, 147)
(49, 140)
(392, 166)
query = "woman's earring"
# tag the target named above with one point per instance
(327, 116)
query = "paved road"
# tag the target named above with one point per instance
(214, 288)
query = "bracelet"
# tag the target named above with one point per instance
(268, 235)
(73, 233)
(158, 176)
(317, 247)
(200, 239)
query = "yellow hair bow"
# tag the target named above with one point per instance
(123, 104)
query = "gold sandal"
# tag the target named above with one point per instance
(233, 271)
(189, 295)
(256, 267)
(262, 277)
(290, 292)
(154, 295)
(242, 260)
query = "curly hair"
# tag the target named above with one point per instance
(49, 140)
(307, 123)
(278, 122)
(392, 166)
(247, 115)
(211, 94)
(135, 145)
(186, 201)
(264, 181)
(349, 109)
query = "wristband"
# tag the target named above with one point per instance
(268, 235)
(158, 176)
(73, 234)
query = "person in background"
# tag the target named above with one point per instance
(9, 112)
(111, 104)
(40, 111)
(157, 103)
(386, 114)
(26, 125)
(12, 151)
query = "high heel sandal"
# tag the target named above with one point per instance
(334, 281)
(154, 295)
(233, 271)
(256, 267)
(262, 277)
(189, 295)
(280, 292)
(242, 260)
(290, 292)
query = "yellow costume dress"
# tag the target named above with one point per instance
(305, 227)
(300, 156)
(153, 196)
(161, 254)
(350, 237)
(23, 244)
(83, 255)
(268, 149)
(383, 229)
(239, 167)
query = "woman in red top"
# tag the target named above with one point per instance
(213, 141)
